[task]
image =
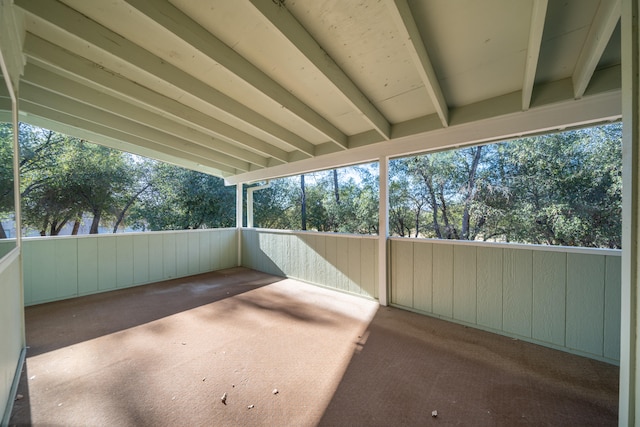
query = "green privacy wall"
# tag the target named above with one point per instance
(11, 319)
(343, 262)
(563, 298)
(65, 267)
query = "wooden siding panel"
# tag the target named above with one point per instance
(422, 276)
(402, 273)
(87, 266)
(169, 255)
(489, 292)
(443, 280)
(140, 259)
(585, 308)
(331, 257)
(28, 279)
(66, 260)
(43, 262)
(612, 303)
(464, 283)
(355, 251)
(107, 263)
(156, 258)
(517, 291)
(368, 269)
(193, 252)
(342, 248)
(182, 254)
(549, 291)
(124, 263)
(204, 252)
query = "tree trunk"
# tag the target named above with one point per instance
(471, 183)
(95, 223)
(3, 234)
(76, 227)
(304, 203)
(434, 210)
(336, 189)
(127, 206)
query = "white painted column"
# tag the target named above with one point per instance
(239, 220)
(383, 231)
(629, 405)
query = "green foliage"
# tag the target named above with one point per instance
(558, 189)
(181, 199)
(354, 210)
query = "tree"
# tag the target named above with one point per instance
(6, 175)
(180, 199)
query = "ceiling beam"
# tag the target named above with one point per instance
(538, 17)
(600, 32)
(406, 25)
(44, 79)
(38, 115)
(63, 62)
(51, 100)
(111, 43)
(589, 110)
(174, 20)
(278, 15)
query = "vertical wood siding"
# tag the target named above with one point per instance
(63, 267)
(562, 298)
(11, 319)
(343, 262)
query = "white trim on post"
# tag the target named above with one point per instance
(628, 391)
(383, 230)
(239, 220)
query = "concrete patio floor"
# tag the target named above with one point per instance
(286, 353)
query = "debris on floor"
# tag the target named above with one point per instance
(250, 407)
(224, 398)
(275, 391)
(19, 397)
(434, 414)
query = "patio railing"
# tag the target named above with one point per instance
(338, 261)
(65, 267)
(566, 298)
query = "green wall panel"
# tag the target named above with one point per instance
(402, 273)
(107, 263)
(141, 260)
(443, 280)
(368, 267)
(64, 267)
(125, 261)
(66, 261)
(612, 307)
(549, 296)
(87, 266)
(156, 257)
(464, 283)
(169, 265)
(489, 293)
(517, 291)
(182, 254)
(585, 297)
(422, 276)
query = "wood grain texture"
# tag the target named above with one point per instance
(549, 296)
(489, 282)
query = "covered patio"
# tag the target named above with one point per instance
(254, 90)
(288, 353)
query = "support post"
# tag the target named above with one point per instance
(250, 191)
(628, 391)
(383, 231)
(239, 221)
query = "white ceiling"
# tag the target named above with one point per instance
(253, 89)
